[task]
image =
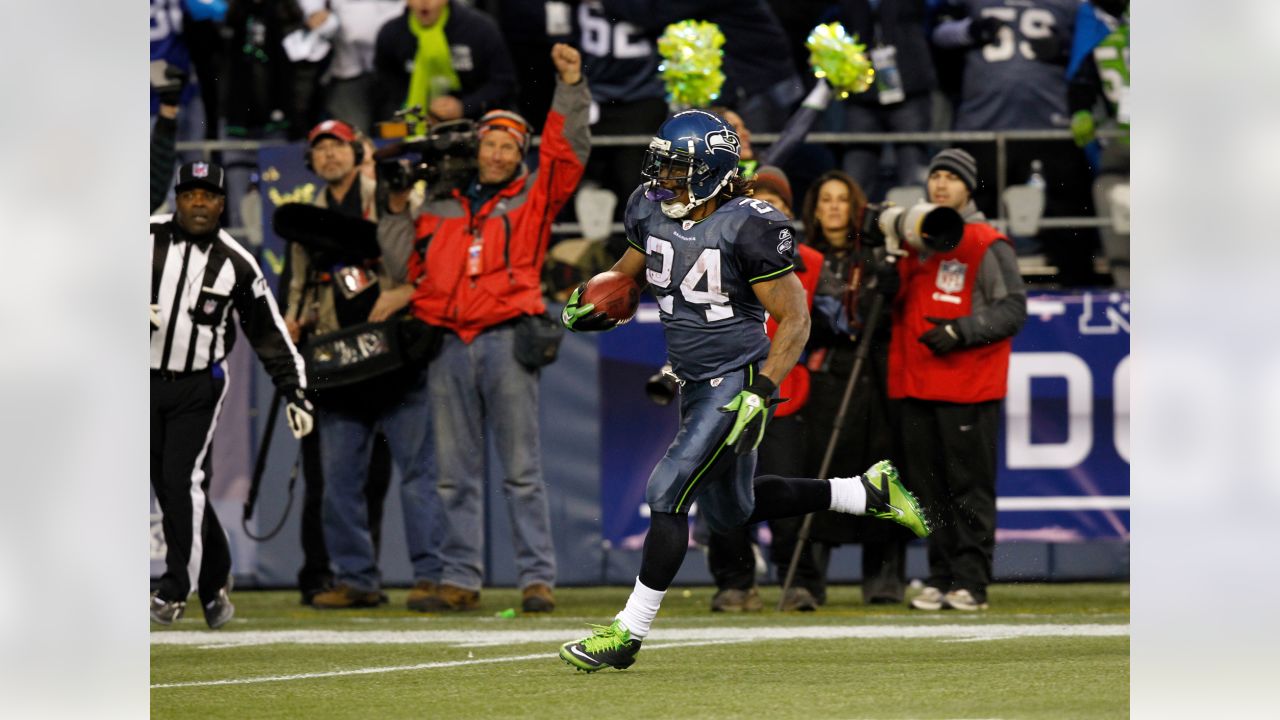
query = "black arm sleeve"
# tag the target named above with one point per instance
(264, 327)
(999, 301)
(164, 138)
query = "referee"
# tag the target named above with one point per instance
(199, 274)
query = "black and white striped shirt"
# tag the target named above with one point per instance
(194, 287)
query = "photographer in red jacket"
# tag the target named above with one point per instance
(955, 315)
(475, 271)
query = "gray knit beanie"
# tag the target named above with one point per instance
(959, 162)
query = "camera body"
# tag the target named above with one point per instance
(923, 227)
(444, 158)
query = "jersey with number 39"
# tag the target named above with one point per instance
(702, 274)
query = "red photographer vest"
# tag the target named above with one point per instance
(942, 287)
(795, 386)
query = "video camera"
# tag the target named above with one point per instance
(923, 227)
(444, 156)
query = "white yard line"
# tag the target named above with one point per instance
(688, 637)
(402, 668)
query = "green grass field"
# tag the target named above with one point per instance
(1042, 651)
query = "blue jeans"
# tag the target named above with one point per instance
(480, 389)
(346, 442)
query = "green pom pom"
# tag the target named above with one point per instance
(691, 62)
(840, 59)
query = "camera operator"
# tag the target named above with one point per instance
(366, 424)
(477, 265)
(953, 321)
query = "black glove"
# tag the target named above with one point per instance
(171, 93)
(887, 280)
(983, 31)
(943, 337)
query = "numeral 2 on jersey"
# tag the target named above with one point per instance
(708, 263)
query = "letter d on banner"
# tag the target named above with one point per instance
(1022, 453)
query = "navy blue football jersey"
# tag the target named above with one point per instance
(702, 275)
(1019, 81)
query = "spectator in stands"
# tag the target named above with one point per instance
(356, 420)
(445, 57)
(350, 91)
(475, 258)
(730, 556)
(953, 321)
(833, 212)
(308, 44)
(760, 81)
(901, 100)
(1015, 79)
(164, 133)
(531, 28)
(620, 60)
(1099, 73)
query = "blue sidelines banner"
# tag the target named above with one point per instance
(1063, 453)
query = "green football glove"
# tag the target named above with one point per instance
(752, 406)
(583, 318)
(1082, 127)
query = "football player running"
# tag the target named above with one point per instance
(716, 260)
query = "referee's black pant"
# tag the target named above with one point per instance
(184, 412)
(949, 462)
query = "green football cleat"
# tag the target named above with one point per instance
(889, 500)
(609, 646)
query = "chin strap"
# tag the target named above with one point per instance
(677, 210)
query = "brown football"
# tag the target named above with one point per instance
(613, 294)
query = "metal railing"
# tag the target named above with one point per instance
(1000, 138)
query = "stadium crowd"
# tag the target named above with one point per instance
(462, 271)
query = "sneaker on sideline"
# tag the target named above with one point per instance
(964, 600)
(931, 598)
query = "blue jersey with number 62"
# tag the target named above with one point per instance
(702, 273)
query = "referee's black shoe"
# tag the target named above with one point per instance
(219, 611)
(165, 612)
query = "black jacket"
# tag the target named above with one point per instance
(901, 24)
(480, 58)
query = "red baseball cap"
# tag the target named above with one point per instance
(332, 128)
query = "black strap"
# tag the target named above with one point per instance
(420, 245)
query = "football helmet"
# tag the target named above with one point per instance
(694, 149)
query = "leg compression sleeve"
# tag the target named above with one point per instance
(778, 497)
(664, 549)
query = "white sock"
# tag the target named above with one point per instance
(848, 495)
(641, 609)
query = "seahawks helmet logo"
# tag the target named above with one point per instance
(726, 140)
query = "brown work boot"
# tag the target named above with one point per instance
(799, 599)
(449, 597)
(734, 600)
(419, 594)
(344, 596)
(537, 598)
